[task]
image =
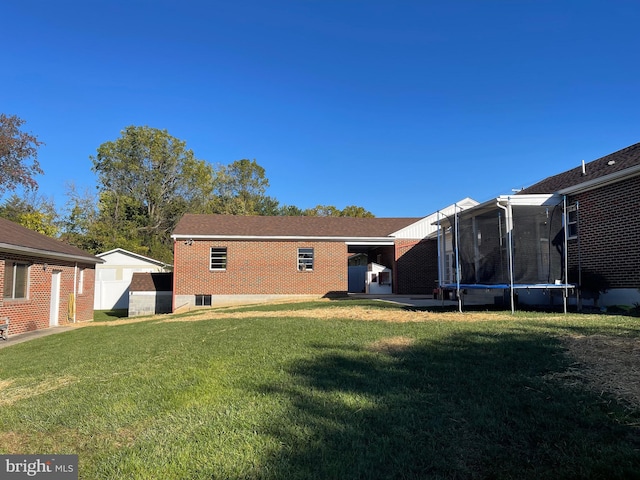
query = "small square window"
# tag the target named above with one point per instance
(203, 300)
(305, 259)
(218, 258)
(572, 222)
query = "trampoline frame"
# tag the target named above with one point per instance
(505, 203)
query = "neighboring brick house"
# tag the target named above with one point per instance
(603, 198)
(233, 259)
(43, 281)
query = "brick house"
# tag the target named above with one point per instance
(603, 198)
(238, 259)
(43, 281)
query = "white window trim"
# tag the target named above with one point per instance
(302, 266)
(27, 280)
(226, 259)
(81, 281)
(571, 209)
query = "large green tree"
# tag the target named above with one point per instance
(241, 189)
(331, 211)
(147, 180)
(18, 155)
(80, 220)
(33, 212)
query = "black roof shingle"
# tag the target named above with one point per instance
(615, 162)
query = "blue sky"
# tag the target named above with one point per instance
(401, 107)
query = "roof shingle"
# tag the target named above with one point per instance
(615, 162)
(151, 282)
(13, 234)
(284, 226)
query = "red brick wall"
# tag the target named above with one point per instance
(609, 230)
(416, 266)
(259, 268)
(33, 312)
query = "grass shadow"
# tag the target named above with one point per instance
(110, 315)
(473, 405)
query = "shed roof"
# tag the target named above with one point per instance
(601, 168)
(133, 255)
(285, 226)
(18, 239)
(151, 282)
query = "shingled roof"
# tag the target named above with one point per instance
(602, 168)
(18, 239)
(192, 225)
(151, 282)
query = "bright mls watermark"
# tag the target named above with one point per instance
(49, 467)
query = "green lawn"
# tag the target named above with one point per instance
(295, 397)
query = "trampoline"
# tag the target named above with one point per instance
(510, 243)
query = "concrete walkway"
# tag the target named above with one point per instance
(43, 332)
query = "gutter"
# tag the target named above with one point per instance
(347, 240)
(35, 252)
(601, 181)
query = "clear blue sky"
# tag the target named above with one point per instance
(401, 107)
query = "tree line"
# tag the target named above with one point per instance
(146, 181)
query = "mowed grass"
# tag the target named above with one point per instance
(282, 392)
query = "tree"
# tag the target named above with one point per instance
(241, 188)
(355, 211)
(147, 181)
(18, 155)
(322, 211)
(33, 212)
(80, 218)
(290, 211)
(331, 211)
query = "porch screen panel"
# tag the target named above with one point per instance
(482, 249)
(538, 244)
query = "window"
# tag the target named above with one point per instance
(305, 259)
(81, 281)
(203, 300)
(218, 258)
(15, 279)
(572, 222)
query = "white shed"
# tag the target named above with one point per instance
(113, 277)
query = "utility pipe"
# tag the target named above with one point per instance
(509, 226)
(457, 225)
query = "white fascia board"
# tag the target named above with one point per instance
(34, 252)
(533, 200)
(602, 181)
(536, 200)
(134, 255)
(378, 242)
(347, 240)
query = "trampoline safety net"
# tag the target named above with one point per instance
(482, 243)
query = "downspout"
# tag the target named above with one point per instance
(578, 297)
(455, 210)
(75, 290)
(173, 293)
(566, 253)
(508, 224)
(439, 246)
